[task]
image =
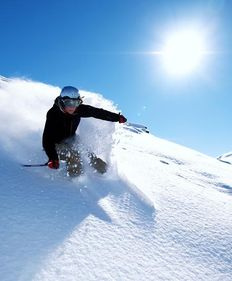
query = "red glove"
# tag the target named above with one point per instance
(53, 164)
(122, 119)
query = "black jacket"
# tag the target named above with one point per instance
(60, 125)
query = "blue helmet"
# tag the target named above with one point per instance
(70, 92)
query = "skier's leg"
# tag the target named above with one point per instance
(97, 163)
(74, 164)
(72, 159)
(62, 151)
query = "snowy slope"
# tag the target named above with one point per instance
(162, 212)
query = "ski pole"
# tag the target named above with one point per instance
(34, 165)
(136, 127)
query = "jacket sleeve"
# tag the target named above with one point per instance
(99, 113)
(48, 138)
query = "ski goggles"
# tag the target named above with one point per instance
(68, 102)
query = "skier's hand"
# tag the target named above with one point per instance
(122, 119)
(53, 164)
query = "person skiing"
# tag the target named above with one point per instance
(62, 121)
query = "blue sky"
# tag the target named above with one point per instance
(106, 46)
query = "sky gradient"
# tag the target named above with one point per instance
(109, 47)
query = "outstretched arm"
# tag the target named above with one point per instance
(99, 113)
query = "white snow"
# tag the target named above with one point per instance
(161, 212)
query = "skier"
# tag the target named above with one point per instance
(60, 127)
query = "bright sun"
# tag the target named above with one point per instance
(183, 52)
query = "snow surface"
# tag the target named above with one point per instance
(161, 212)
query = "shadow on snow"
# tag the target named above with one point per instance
(37, 214)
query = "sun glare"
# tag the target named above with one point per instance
(183, 52)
